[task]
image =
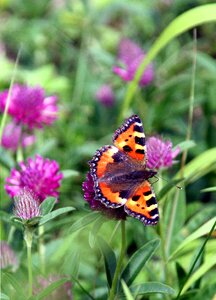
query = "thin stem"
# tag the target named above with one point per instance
(41, 249)
(28, 240)
(4, 117)
(191, 101)
(119, 263)
(11, 233)
(196, 259)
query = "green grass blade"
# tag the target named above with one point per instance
(48, 290)
(192, 18)
(138, 260)
(47, 205)
(55, 214)
(204, 229)
(209, 190)
(151, 288)
(109, 260)
(84, 221)
(10, 278)
(126, 291)
(206, 266)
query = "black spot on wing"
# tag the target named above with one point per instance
(140, 151)
(136, 197)
(124, 194)
(140, 140)
(147, 193)
(153, 212)
(138, 128)
(151, 201)
(127, 148)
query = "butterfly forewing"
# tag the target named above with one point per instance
(130, 138)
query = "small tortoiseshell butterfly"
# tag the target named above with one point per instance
(120, 175)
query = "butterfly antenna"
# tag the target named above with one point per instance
(177, 186)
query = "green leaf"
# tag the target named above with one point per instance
(48, 290)
(126, 290)
(185, 145)
(198, 219)
(47, 205)
(4, 216)
(15, 284)
(84, 221)
(189, 19)
(4, 297)
(204, 229)
(199, 166)
(95, 229)
(6, 159)
(150, 288)
(138, 260)
(210, 189)
(109, 259)
(55, 214)
(175, 214)
(70, 173)
(205, 267)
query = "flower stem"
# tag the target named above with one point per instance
(41, 249)
(119, 263)
(28, 240)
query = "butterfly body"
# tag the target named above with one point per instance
(120, 175)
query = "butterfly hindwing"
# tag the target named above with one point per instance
(99, 169)
(142, 204)
(130, 138)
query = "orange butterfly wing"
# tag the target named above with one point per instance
(99, 168)
(142, 204)
(130, 138)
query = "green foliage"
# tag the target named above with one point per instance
(70, 49)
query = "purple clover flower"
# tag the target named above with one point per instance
(40, 175)
(12, 137)
(8, 257)
(130, 55)
(26, 205)
(160, 153)
(105, 95)
(89, 196)
(29, 106)
(63, 292)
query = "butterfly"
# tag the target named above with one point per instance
(120, 175)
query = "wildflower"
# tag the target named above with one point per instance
(130, 55)
(160, 153)
(26, 205)
(63, 292)
(89, 196)
(12, 137)
(40, 175)
(105, 95)
(8, 258)
(29, 106)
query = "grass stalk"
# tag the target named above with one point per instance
(196, 259)
(119, 263)
(28, 240)
(4, 117)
